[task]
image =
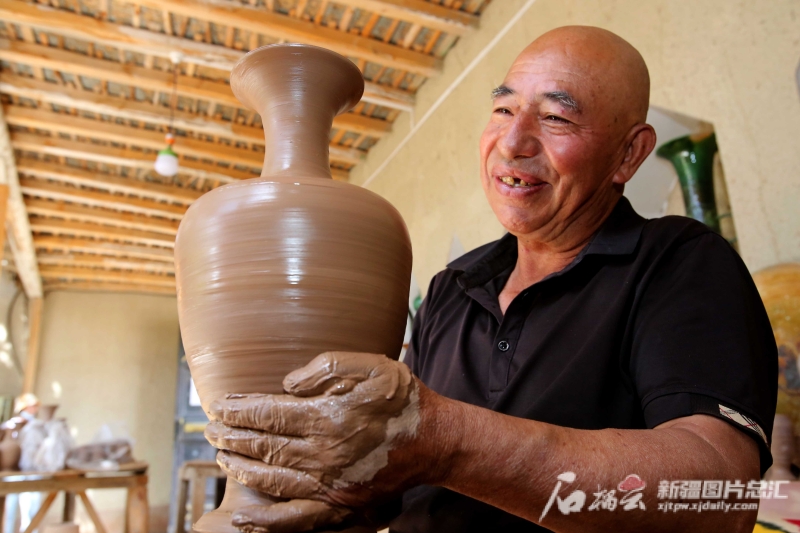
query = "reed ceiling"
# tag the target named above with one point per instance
(86, 87)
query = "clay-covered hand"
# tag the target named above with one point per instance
(343, 438)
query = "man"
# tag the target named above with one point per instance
(565, 376)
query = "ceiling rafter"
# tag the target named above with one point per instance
(109, 263)
(293, 30)
(53, 93)
(57, 191)
(112, 184)
(90, 274)
(100, 286)
(87, 28)
(89, 246)
(420, 12)
(95, 215)
(127, 157)
(70, 228)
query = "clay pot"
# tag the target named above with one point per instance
(273, 271)
(47, 412)
(9, 452)
(782, 450)
(779, 287)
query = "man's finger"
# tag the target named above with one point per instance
(279, 414)
(277, 481)
(289, 517)
(291, 452)
(332, 373)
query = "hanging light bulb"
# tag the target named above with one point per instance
(167, 160)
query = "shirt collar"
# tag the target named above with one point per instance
(618, 235)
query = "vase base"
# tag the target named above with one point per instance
(216, 521)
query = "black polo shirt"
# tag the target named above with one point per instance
(654, 320)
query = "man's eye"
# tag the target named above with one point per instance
(503, 110)
(554, 118)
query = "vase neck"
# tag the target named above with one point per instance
(296, 139)
(297, 90)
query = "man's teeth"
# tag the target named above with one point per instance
(514, 182)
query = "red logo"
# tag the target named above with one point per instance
(632, 482)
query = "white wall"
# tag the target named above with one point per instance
(728, 63)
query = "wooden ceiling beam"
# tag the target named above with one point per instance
(99, 261)
(155, 80)
(102, 32)
(110, 131)
(128, 74)
(56, 191)
(57, 226)
(128, 157)
(89, 246)
(294, 30)
(19, 234)
(93, 215)
(125, 157)
(52, 93)
(99, 286)
(427, 14)
(113, 184)
(95, 274)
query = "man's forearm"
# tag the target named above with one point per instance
(514, 464)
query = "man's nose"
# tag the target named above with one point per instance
(520, 139)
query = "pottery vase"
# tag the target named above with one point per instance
(275, 270)
(779, 287)
(782, 450)
(693, 159)
(10, 452)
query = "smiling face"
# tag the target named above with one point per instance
(561, 140)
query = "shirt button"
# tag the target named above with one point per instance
(503, 346)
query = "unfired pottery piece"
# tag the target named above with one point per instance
(779, 287)
(782, 450)
(10, 452)
(276, 270)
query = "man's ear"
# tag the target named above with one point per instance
(641, 141)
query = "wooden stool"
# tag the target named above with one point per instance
(197, 472)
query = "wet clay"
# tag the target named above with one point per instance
(342, 415)
(273, 271)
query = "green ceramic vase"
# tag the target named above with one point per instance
(693, 159)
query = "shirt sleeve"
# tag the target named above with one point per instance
(702, 342)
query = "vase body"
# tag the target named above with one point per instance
(273, 271)
(693, 159)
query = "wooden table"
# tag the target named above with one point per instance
(74, 483)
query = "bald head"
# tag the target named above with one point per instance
(613, 68)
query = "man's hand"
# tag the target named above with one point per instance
(344, 437)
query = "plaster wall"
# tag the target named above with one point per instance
(731, 63)
(110, 358)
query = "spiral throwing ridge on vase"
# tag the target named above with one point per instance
(275, 270)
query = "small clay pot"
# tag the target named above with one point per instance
(47, 412)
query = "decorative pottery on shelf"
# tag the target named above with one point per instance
(10, 451)
(779, 287)
(275, 270)
(693, 159)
